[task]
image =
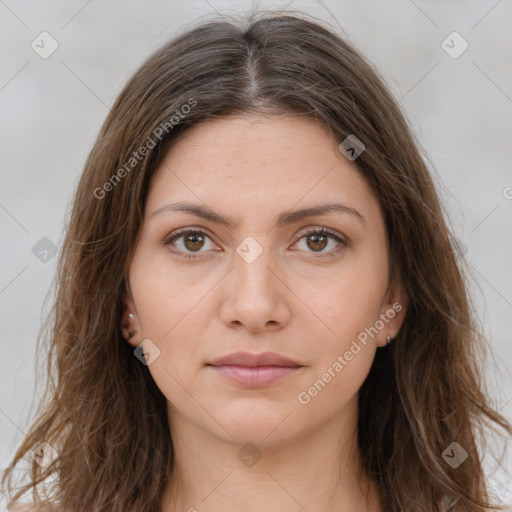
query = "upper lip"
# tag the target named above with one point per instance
(248, 359)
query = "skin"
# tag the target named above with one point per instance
(294, 299)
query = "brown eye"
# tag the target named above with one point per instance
(193, 241)
(317, 242)
(189, 243)
(321, 242)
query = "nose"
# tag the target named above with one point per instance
(255, 295)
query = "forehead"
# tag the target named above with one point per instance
(258, 163)
(264, 138)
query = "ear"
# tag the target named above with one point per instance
(130, 325)
(393, 310)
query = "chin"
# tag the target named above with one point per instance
(264, 426)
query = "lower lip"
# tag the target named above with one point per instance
(256, 376)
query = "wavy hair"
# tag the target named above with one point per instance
(102, 411)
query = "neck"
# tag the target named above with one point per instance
(320, 470)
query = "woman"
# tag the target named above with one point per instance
(259, 306)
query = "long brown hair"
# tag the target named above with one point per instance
(102, 411)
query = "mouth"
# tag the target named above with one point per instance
(255, 376)
(255, 370)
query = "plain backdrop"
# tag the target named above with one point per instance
(457, 99)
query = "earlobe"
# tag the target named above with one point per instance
(129, 325)
(129, 328)
(393, 311)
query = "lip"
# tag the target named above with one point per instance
(255, 376)
(255, 370)
(253, 360)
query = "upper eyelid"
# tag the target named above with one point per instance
(184, 231)
(329, 231)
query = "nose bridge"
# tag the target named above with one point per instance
(252, 265)
(256, 298)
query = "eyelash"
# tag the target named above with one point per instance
(316, 231)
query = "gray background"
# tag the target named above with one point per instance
(460, 109)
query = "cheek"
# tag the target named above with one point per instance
(166, 299)
(350, 307)
(345, 356)
(168, 312)
(351, 301)
(336, 385)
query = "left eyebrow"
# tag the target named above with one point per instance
(283, 219)
(290, 217)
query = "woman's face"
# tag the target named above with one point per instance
(251, 275)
